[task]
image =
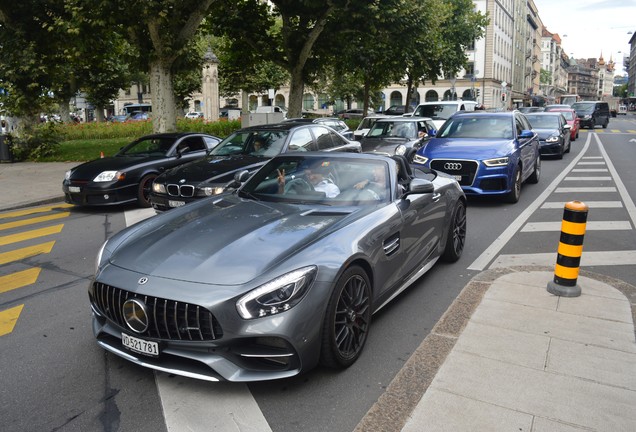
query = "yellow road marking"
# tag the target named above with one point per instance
(32, 221)
(615, 130)
(19, 279)
(19, 254)
(28, 235)
(8, 318)
(631, 131)
(19, 213)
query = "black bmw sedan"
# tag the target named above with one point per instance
(128, 175)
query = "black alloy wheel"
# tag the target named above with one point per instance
(346, 324)
(143, 191)
(456, 234)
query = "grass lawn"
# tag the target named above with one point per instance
(84, 150)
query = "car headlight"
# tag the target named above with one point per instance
(278, 295)
(400, 150)
(502, 161)
(159, 188)
(552, 139)
(587, 117)
(107, 176)
(212, 190)
(419, 159)
(67, 174)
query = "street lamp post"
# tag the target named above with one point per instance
(453, 80)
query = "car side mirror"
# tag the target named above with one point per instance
(241, 176)
(567, 126)
(526, 133)
(419, 186)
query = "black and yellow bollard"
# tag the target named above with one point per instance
(566, 271)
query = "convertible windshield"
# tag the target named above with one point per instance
(477, 127)
(148, 147)
(258, 143)
(330, 181)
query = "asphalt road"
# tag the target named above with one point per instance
(56, 378)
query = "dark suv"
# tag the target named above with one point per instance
(246, 149)
(592, 113)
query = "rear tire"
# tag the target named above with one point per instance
(456, 234)
(143, 190)
(346, 324)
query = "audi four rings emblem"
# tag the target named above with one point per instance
(136, 315)
(453, 166)
(142, 280)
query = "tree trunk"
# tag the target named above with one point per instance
(409, 92)
(99, 114)
(164, 115)
(296, 89)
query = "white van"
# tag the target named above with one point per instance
(622, 109)
(440, 111)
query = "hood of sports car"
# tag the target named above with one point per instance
(226, 242)
(89, 170)
(467, 148)
(212, 169)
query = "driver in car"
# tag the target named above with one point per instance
(317, 178)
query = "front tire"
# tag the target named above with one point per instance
(143, 191)
(536, 173)
(346, 324)
(456, 234)
(515, 191)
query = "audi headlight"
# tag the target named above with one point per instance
(159, 188)
(278, 295)
(419, 159)
(552, 138)
(106, 176)
(502, 161)
(400, 150)
(211, 190)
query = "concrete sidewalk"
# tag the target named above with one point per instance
(506, 356)
(30, 183)
(509, 356)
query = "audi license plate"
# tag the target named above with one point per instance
(74, 189)
(457, 177)
(139, 345)
(172, 203)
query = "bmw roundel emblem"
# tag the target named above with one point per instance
(182, 181)
(136, 315)
(142, 280)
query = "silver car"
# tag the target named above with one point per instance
(279, 276)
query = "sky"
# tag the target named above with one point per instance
(590, 27)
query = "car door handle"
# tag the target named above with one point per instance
(436, 196)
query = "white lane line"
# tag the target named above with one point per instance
(495, 247)
(607, 258)
(589, 170)
(592, 157)
(589, 226)
(599, 178)
(192, 405)
(592, 163)
(590, 204)
(629, 203)
(584, 189)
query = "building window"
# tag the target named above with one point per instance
(308, 101)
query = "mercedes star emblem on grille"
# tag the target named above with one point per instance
(453, 166)
(135, 315)
(142, 280)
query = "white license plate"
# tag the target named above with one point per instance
(457, 177)
(74, 189)
(140, 345)
(172, 203)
